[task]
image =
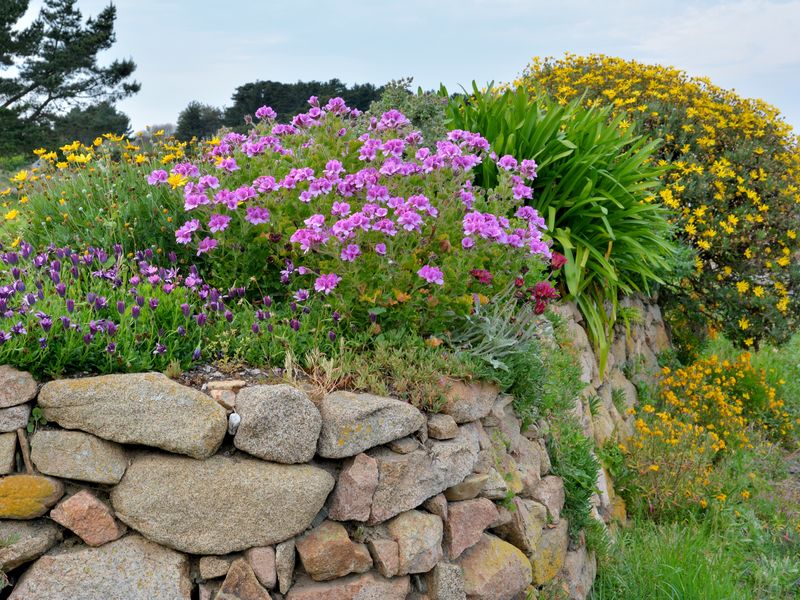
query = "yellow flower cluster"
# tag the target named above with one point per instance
(709, 407)
(38, 191)
(733, 179)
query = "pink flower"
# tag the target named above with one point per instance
(528, 168)
(206, 245)
(350, 252)
(157, 177)
(380, 249)
(341, 209)
(257, 214)
(467, 243)
(218, 222)
(266, 112)
(431, 274)
(184, 233)
(301, 295)
(326, 283)
(507, 162)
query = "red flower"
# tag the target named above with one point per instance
(558, 260)
(482, 275)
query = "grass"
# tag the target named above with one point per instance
(744, 547)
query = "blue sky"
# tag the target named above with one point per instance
(202, 49)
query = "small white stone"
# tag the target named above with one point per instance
(233, 423)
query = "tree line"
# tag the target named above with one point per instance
(53, 89)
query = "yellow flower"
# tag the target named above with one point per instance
(742, 286)
(176, 180)
(653, 467)
(20, 177)
(12, 214)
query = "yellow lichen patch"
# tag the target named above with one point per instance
(28, 496)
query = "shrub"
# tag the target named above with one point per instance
(573, 459)
(425, 110)
(593, 188)
(734, 185)
(353, 212)
(81, 196)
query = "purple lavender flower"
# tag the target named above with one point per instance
(255, 328)
(294, 324)
(332, 336)
(153, 303)
(196, 354)
(111, 347)
(160, 348)
(19, 329)
(135, 310)
(201, 319)
(4, 337)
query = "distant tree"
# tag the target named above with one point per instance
(289, 99)
(198, 120)
(16, 42)
(55, 61)
(85, 124)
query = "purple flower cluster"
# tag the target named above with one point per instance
(353, 212)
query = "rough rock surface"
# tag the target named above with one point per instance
(28, 541)
(446, 582)
(241, 584)
(78, 455)
(144, 408)
(28, 496)
(467, 489)
(211, 567)
(14, 417)
(130, 568)
(467, 402)
(279, 423)
(89, 518)
(8, 452)
(442, 427)
(386, 556)
(419, 540)
(580, 569)
(262, 561)
(406, 480)
(369, 586)
(327, 552)
(220, 505)
(550, 492)
(352, 497)
(525, 529)
(549, 554)
(494, 569)
(284, 564)
(16, 387)
(352, 423)
(466, 522)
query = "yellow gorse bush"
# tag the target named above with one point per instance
(733, 185)
(707, 408)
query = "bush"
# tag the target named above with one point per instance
(593, 187)
(96, 196)
(734, 186)
(353, 212)
(572, 457)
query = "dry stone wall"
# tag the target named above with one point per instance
(139, 487)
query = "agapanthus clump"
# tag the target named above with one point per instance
(357, 213)
(100, 311)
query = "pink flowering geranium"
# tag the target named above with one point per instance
(367, 209)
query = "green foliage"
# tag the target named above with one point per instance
(56, 62)
(86, 124)
(36, 419)
(290, 99)
(668, 562)
(425, 110)
(594, 183)
(497, 332)
(198, 121)
(572, 457)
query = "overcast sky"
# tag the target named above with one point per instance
(203, 49)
